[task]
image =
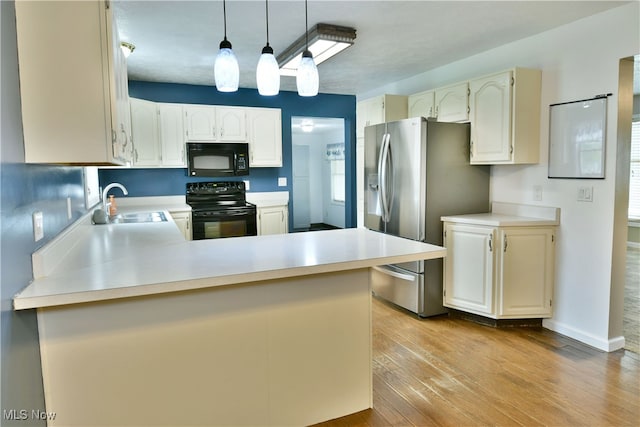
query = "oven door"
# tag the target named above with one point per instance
(228, 222)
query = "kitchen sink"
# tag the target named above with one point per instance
(138, 217)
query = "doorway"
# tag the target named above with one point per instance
(319, 187)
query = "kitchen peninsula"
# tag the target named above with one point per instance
(141, 327)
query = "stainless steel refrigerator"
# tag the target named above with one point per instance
(416, 171)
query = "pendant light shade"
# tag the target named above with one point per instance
(307, 79)
(226, 69)
(268, 72)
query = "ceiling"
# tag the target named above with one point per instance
(177, 41)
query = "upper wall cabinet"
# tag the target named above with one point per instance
(158, 134)
(422, 104)
(379, 109)
(73, 84)
(265, 137)
(505, 117)
(144, 118)
(452, 103)
(204, 123)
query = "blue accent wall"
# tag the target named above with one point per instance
(172, 181)
(24, 189)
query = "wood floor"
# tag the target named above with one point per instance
(452, 372)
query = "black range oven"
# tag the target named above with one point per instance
(220, 209)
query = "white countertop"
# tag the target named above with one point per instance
(510, 215)
(125, 260)
(498, 220)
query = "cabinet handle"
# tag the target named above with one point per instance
(490, 243)
(471, 149)
(505, 243)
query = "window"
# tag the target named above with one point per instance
(337, 181)
(634, 180)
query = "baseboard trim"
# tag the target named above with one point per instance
(608, 345)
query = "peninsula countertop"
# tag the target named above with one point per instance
(127, 260)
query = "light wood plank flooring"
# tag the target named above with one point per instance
(453, 372)
(631, 320)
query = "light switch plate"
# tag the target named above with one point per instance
(585, 194)
(282, 181)
(38, 226)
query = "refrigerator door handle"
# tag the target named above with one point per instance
(382, 174)
(395, 274)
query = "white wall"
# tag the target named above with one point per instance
(578, 61)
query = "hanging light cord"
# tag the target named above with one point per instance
(224, 13)
(267, 13)
(306, 25)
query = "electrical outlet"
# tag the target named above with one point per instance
(537, 192)
(38, 226)
(247, 185)
(585, 194)
(282, 181)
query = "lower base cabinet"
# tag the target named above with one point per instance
(273, 220)
(183, 221)
(499, 272)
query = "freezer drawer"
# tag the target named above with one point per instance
(408, 290)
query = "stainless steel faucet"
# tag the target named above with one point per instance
(105, 204)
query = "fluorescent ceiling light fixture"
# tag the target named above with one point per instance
(325, 40)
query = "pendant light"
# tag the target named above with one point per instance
(226, 70)
(307, 78)
(268, 72)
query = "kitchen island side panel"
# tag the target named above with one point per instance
(293, 351)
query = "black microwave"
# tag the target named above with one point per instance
(217, 159)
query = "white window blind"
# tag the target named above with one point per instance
(634, 180)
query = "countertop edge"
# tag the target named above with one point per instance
(46, 301)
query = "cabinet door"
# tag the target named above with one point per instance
(452, 103)
(490, 111)
(183, 221)
(369, 112)
(200, 123)
(72, 124)
(468, 268)
(272, 220)
(144, 122)
(265, 137)
(171, 134)
(525, 284)
(120, 111)
(231, 124)
(422, 104)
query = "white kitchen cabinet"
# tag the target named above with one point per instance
(183, 221)
(469, 268)
(200, 123)
(505, 117)
(499, 272)
(422, 104)
(73, 84)
(379, 109)
(208, 123)
(171, 135)
(452, 103)
(144, 121)
(158, 135)
(272, 220)
(264, 135)
(231, 123)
